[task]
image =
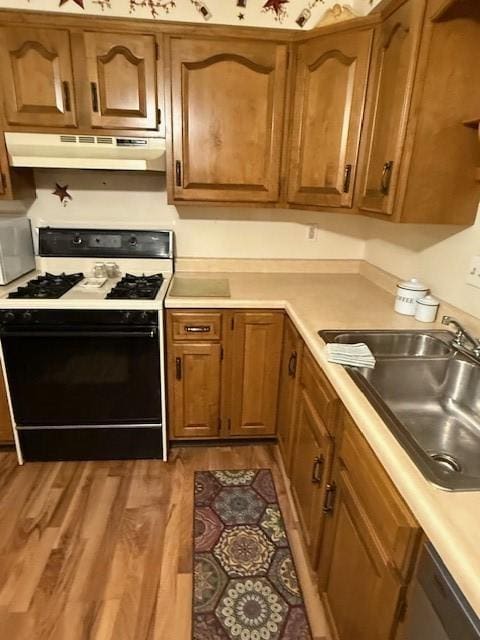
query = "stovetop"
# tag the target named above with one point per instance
(132, 287)
(47, 286)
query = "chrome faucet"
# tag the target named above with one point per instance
(463, 341)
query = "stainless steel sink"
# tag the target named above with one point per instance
(429, 396)
(396, 343)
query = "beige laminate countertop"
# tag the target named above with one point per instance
(330, 301)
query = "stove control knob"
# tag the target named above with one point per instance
(127, 316)
(133, 241)
(8, 316)
(144, 316)
(77, 240)
(27, 316)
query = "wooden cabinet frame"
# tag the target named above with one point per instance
(246, 408)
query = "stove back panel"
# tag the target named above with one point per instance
(105, 243)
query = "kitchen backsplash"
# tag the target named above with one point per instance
(259, 13)
(439, 255)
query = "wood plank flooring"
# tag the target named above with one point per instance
(102, 550)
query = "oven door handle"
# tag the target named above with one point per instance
(151, 333)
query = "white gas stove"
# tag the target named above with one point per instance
(84, 364)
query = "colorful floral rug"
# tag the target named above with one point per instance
(245, 582)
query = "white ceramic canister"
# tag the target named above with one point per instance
(408, 293)
(427, 309)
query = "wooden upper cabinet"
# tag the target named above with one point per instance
(15, 183)
(330, 88)
(121, 71)
(227, 119)
(37, 77)
(395, 60)
(255, 354)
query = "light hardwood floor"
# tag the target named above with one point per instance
(102, 550)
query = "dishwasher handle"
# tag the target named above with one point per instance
(150, 333)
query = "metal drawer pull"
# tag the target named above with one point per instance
(178, 368)
(178, 173)
(198, 329)
(93, 88)
(66, 95)
(329, 502)
(386, 177)
(292, 364)
(317, 469)
(347, 174)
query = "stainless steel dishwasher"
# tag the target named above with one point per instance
(437, 609)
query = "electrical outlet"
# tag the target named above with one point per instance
(312, 232)
(473, 276)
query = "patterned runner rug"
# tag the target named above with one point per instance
(245, 582)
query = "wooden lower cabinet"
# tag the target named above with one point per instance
(6, 430)
(223, 372)
(288, 390)
(311, 465)
(254, 358)
(370, 538)
(195, 387)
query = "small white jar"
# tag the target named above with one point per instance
(427, 309)
(408, 293)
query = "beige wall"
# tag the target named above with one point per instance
(218, 11)
(439, 255)
(127, 199)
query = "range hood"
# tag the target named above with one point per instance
(65, 151)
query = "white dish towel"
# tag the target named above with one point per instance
(351, 355)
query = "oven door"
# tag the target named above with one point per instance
(62, 377)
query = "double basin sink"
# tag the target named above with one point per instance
(428, 394)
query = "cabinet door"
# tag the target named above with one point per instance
(37, 77)
(395, 60)
(361, 590)
(287, 393)
(331, 80)
(15, 183)
(255, 352)
(194, 384)
(310, 470)
(121, 72)
(6, 432)
(227, 119)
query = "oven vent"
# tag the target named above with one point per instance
(69, 151)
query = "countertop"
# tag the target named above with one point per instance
(350, 301)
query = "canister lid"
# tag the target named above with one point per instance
(413, 285)
(428, 301)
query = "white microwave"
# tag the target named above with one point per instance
(16, 248)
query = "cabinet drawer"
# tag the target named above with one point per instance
(394, 525)
(321, 392)
(196, 326)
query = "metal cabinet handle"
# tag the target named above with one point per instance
(66, 96)
(329, 502)
(178, 368)
(292, 364)
(198, 329)
(317, 469)
(386, 177)
(347, 174)
(94, 90)
(178, 173)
